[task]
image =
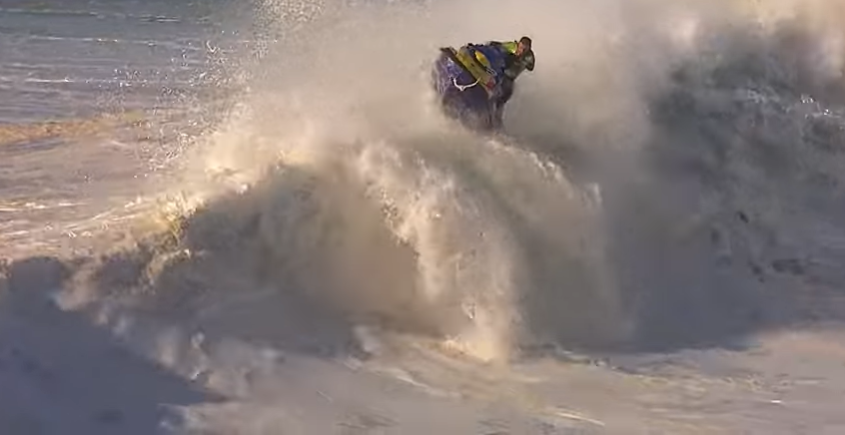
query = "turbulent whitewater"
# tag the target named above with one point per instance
(251, 218)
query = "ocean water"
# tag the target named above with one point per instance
(226, 217)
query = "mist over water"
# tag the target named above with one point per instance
(639, 199)
(670, 178)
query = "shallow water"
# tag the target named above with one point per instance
(98, 98)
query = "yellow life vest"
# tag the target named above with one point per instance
(511, 46)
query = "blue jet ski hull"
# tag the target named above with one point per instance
(459, 98)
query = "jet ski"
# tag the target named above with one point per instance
(466, 83)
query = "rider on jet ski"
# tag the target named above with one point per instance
(495, 65)
(518, 58)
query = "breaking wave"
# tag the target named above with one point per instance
(671, 178)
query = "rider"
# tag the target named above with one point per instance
(495, 65)
(513, 57)
(518, 58)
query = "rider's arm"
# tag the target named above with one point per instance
(529, 61)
